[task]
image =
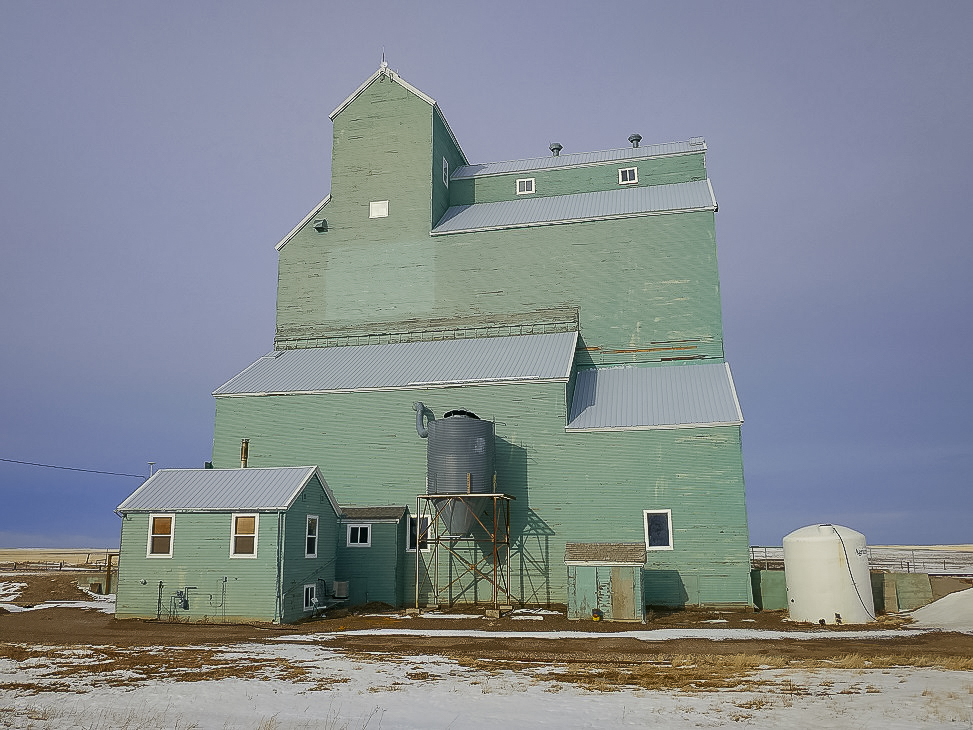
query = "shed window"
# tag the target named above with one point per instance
(378, 209)
(445, 172)
(418, 534)
(310, 596)
(243, 540)
(628, 176)
(160, 536)
(525, 186)
(311, 544)
(658, 529)
(359, 536)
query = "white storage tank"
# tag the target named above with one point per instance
(826, 570)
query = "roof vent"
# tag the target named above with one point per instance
(635, 139)
(556, 148)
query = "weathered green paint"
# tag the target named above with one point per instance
(268, 587)
(613, 590)
(769, 589)
(377, 572)
(568, 486)
(662, 170)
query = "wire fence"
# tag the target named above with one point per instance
(888, 559)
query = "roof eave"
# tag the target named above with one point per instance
(653, 427)
(383, 70)
(307, 219)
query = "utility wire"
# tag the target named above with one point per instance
(74, 468)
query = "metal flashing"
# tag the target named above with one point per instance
(385, 71)
(580, 159)
(633, 398)
(561, 209)
(307, 219)
(407, 365)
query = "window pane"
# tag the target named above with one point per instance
(658, 529)
(160, 545)
(312, 545)
(246, 525)
(162, 526)
(312, 527)
(243, 545)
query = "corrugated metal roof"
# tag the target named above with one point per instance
(607, 553)
(372, 513)
(622, 203)
(696, 144)
(408, 365)
(222, 490)
(677, 396)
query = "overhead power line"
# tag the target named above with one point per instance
(74, 468)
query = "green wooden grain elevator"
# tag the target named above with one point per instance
(572, 300)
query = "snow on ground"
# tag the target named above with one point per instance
(950, 613)
(335, 691)
(9, 590)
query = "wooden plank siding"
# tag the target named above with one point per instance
(568, 486)
(227, 588)
(679, 168)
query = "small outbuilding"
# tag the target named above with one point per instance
(605, 580)
(228, 545)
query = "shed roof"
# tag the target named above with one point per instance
(604, 553)
(403, 365)
(601, 205)
(223, 490)
(372, 513)
(579, 159)
(675, 396)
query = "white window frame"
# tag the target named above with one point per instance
(310, 596)
(233, 535)
(172, 535)
(532, 186)
(308, 536)
(635, 176)
(415, 521)
(378, 209)
(445, 172)
(358, 525)
(645, 527)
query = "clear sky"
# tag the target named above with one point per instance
(152, 154)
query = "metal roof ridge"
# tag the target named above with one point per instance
(690, 141)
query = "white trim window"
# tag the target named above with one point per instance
(445, 172)
(161, 529)
(311, 535)
(243, 535)
(359, 535)
(658, 529)
(525, 186)
(416, 535)
(628, 176)
(378, 209)
(310, 596)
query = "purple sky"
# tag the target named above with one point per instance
(152, 154)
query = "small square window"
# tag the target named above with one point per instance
(359, 536)
(378, 209)
(243, 540)
(418, 534)
(310, 597)
(160, 536)
(445, 172)
(628, 176)
(658, 529)
(525, 186)
(311, 543)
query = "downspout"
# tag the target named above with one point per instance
(279, 606)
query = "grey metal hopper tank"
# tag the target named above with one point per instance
(459, 460)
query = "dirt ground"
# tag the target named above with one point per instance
(73, 627)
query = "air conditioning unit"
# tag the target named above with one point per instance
(341, 589)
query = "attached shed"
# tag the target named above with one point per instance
(372, 544)
(228, 545)
(605, 580)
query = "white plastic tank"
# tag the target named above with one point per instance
(826, 571)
